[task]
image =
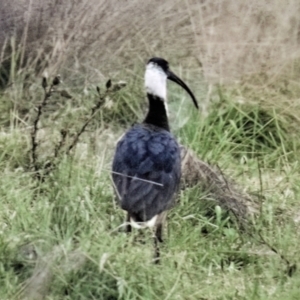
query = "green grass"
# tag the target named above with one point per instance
(62, 238)
(73, 224)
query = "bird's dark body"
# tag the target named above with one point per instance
(150, 153)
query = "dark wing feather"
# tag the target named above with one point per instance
(151, 155)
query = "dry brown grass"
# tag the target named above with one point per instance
(230, 38)
(224, 192)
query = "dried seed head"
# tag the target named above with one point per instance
(56, 80)
(63, 132)
(44, 82)
(98, 89)
(108, 84)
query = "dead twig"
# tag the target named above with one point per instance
(34, 143)
(51, 164)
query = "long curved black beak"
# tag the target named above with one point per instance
(176, 79)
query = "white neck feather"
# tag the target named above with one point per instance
(156, 81)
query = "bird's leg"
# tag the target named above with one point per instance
(158, 233)
(157, 252)
(157, 240)
(128, 226)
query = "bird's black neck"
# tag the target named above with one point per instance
(157, 114)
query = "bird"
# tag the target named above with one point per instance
(146, 168)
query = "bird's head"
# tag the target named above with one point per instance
(156, 75)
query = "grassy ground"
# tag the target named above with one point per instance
(63, 238)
